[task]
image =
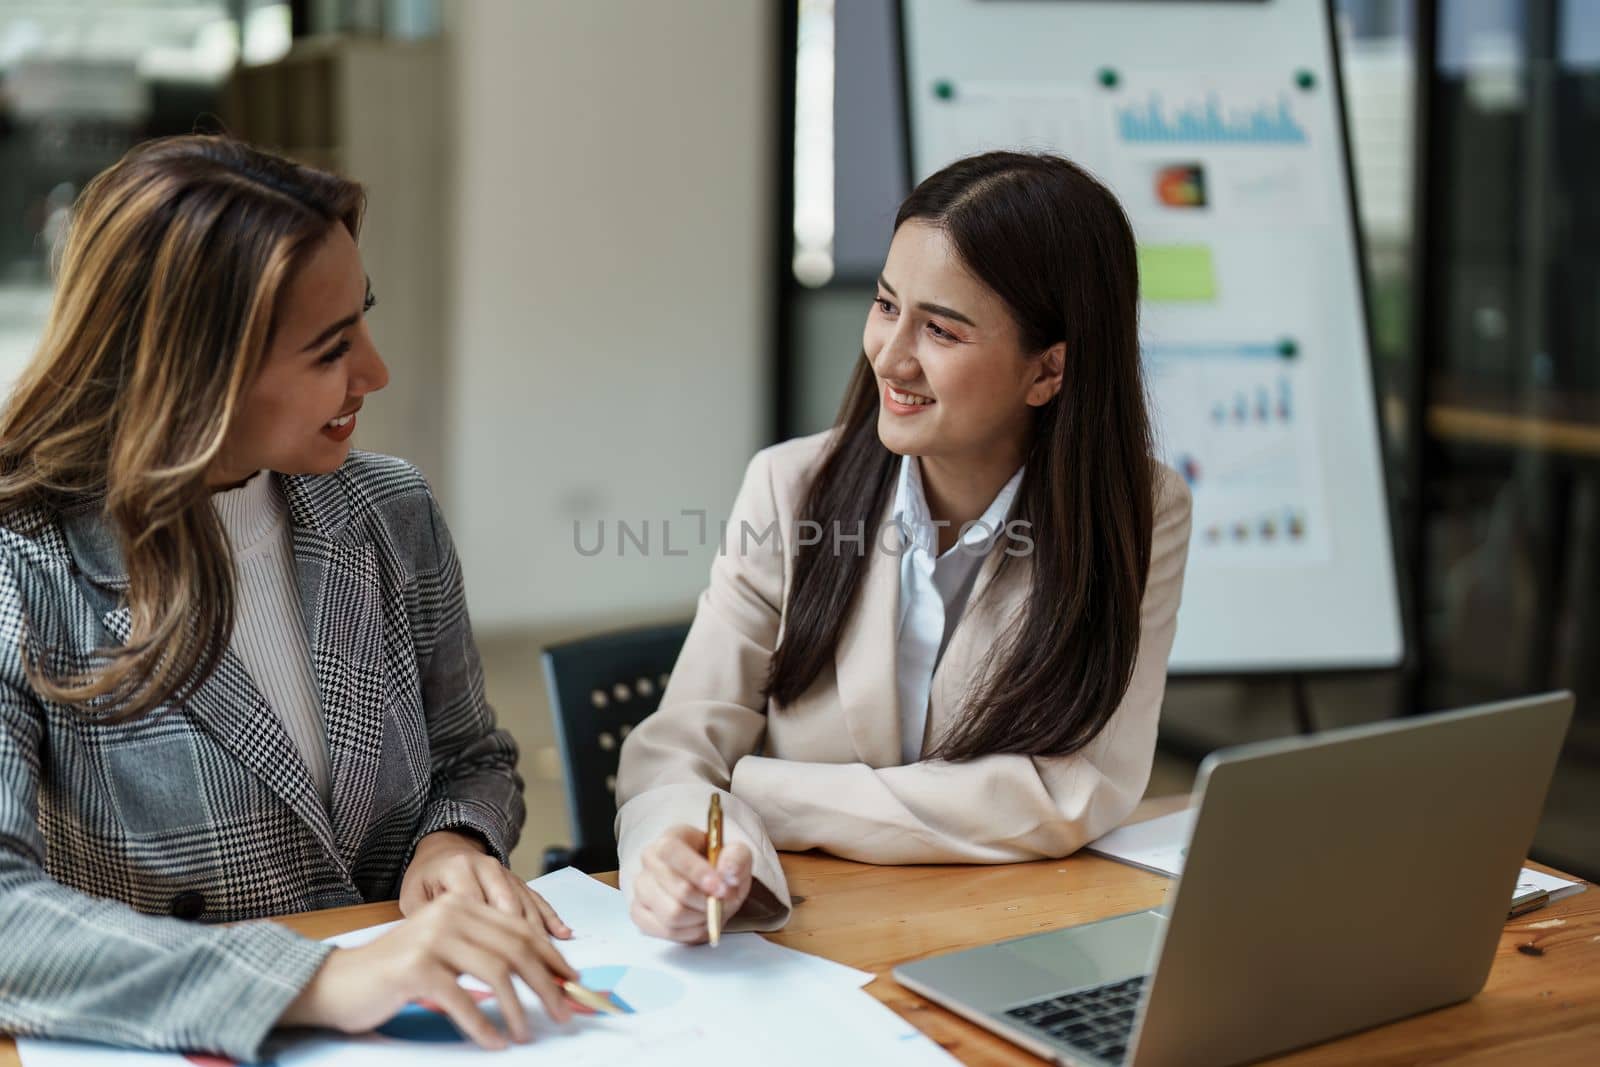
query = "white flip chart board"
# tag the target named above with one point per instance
(1219, 125)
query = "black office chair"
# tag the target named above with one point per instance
(600, 688)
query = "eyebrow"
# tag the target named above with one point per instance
(343, 324)
(937, 309)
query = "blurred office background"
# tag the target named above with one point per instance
(619, 245)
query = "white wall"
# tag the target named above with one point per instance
(612, 188)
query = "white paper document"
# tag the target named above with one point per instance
(1161, 844)
(747, 999)
(594, 910)
(1156, 845)
(1558, 888)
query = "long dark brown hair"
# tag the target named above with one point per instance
(1056, 247)
(165, 300)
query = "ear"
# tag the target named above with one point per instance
(1047, 381)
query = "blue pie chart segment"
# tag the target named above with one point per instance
(417, 1023)
(425, 1022)
(636, 990)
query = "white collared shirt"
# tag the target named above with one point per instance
(933, 593)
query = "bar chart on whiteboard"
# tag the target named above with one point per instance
(1233, 427)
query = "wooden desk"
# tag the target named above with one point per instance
(1540, 1006)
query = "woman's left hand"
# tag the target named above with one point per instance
(446, 862)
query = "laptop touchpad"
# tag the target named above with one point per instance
(995, 977)
(1092, 954)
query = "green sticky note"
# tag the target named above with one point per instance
(1176, 273)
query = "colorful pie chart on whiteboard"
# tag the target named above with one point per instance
(636, 990)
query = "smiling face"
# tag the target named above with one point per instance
(953, 381)
(299, 413)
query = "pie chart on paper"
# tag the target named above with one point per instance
(425, 1022)
(636, 990)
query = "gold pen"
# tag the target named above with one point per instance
(589, 998)
(713, 853)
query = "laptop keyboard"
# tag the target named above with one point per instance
(1098, 1021)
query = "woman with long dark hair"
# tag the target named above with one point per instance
(938, 632)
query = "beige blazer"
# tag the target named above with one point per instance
(825, 773)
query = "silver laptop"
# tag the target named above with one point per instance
(1333, 883)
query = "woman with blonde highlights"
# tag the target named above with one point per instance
(237, 678)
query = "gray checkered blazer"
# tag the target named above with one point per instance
(112, 836)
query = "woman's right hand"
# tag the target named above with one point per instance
(358, 989)
(675, 881)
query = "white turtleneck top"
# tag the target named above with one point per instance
(269, 632)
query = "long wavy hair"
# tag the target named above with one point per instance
(1055, 245)
(165, 301)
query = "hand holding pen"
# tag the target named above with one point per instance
(423, 958)
(675, 885)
